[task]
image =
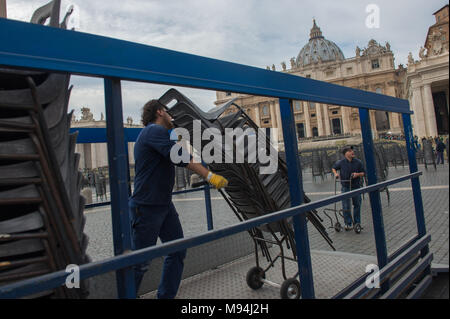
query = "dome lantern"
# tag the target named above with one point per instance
(315, 31)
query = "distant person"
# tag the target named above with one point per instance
(416, 143)
(350, 172)
(440, 147)
(446, 149)
(152, 212)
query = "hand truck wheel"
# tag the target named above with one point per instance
(290, 289)
(338, 227)
(358, 228)
(254, 276)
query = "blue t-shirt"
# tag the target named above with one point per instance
(154, 170)
(346, 168)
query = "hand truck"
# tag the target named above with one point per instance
(340, 212)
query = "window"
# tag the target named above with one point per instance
(313, 115)
(265, 110)
(336, 124)
(379, 90)
(315, 131)
(375, 64)
(349, 70)
(329, 74)
(301, 130)
(312, 105)
(335, 112)
(227, 93)
(297, 106)
(308, 76)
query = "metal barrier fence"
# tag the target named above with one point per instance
(129, 259)
(78, 53)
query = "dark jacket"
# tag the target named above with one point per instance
(440, 147)
(346, 168)
(155, 172)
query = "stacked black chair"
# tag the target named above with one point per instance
(429, 158)
(419, 156)
(249, 194)
(305, 159)
(382, 157)
(316, 165)
(398, 157)
(41, 220)
(380, 164)
(382, 169)
(390, 155)
(404, 154)
(327, 163)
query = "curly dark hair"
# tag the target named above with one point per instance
(346, 149)
(149, 111)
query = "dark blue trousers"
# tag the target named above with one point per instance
(440, 158)
(149, 223)
(347, 209)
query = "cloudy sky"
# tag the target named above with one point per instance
(252, 32)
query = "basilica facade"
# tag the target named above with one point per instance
(371, 69)
(426, 81)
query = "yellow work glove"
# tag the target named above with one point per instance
(216, 180)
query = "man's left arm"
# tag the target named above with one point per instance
(358, 174)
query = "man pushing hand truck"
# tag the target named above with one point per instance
(350, 172)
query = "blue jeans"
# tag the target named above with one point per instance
(347, 210)
(149, 223)
(440, 157)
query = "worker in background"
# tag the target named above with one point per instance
(152, 212)
(350, 172)
(440, 148)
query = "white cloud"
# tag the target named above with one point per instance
(252, 32)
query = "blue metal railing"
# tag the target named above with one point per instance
(79, 53)
(98, 135)
(129, 259)
(207, 194)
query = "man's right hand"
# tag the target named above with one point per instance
(217, 181)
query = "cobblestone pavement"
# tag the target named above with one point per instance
(398, 215)
(332, 273)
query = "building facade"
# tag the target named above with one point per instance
(3, 9)
(371, 69)
(95, 155)
(424, 83)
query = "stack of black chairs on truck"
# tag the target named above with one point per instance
(249, 193)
